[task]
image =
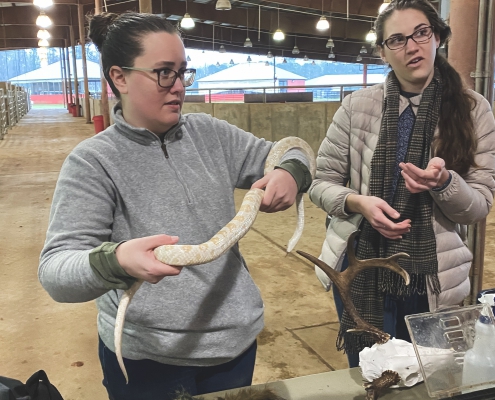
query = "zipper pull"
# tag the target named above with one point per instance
(164, 148)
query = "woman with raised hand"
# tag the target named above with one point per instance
(410, 163)
(153, 178)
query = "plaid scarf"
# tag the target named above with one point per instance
(370, 286)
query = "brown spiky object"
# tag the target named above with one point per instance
(375, 388)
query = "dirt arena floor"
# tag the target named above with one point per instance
(38, 333)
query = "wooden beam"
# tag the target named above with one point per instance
(82, 40)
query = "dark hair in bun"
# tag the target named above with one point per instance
(118, 37)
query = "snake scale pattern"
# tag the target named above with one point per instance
(230, 234)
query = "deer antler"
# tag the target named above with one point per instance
(343, 280)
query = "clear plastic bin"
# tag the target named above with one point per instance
(440, 340)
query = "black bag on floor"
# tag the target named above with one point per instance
(37, 387)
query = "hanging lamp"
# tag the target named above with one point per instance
(295, 50)
(43, 34)
(278, 35)
(247, 42)
(223, 5)
(383, 6)
(187, 22)
(43, 3)
(322, 24)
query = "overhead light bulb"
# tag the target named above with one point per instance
(249, 59)
(43, 34)
(278, 35)
(248, 43)
(306, 58)
(43, 43)
(329, 43)
(43, 3)
(359, 58)
(363, 50)
(371, 36)
(223, 5)
(269, 55)
(322, 24)
(383, 6)
(43, 20)
(331, 55)
(187, 22)
(222, 49)
(295, 50)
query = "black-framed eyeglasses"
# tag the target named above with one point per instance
(166, 77)
(421, 35)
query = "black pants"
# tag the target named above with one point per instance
(151, 380)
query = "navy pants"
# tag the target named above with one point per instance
(394, 312)
(151, 380)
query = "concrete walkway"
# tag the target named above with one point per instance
(38, 333)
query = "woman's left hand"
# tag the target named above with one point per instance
(280, 190)
(419, 180)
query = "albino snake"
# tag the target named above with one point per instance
(230, 234)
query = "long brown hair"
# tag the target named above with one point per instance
(456, 142)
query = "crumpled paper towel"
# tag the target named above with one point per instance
(399, 356)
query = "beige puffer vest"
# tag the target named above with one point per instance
(345, 156)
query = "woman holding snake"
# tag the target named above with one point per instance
(410, 163)
(153, 178)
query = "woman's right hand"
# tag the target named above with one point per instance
(136, 257)
(375, 210)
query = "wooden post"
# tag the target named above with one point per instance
(82, 40)
(63, 76)
(69, 82)
(465, 51)
(145, 6)
(74, 62)
(104, 108)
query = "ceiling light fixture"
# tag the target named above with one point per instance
(278, 35)
(330, 44)
(322, 24)
(269, 55)
(43, 34)
(383, 6)
(43, 3)
(223, 5)
(363, 50)
(222, 49)
(331, 55)
(295, 50)
(247, 42)
(371, 36)
(359, 58)
(306, 58)
(43, 20)
(187, 22)
(249, 59)
(43, 43)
